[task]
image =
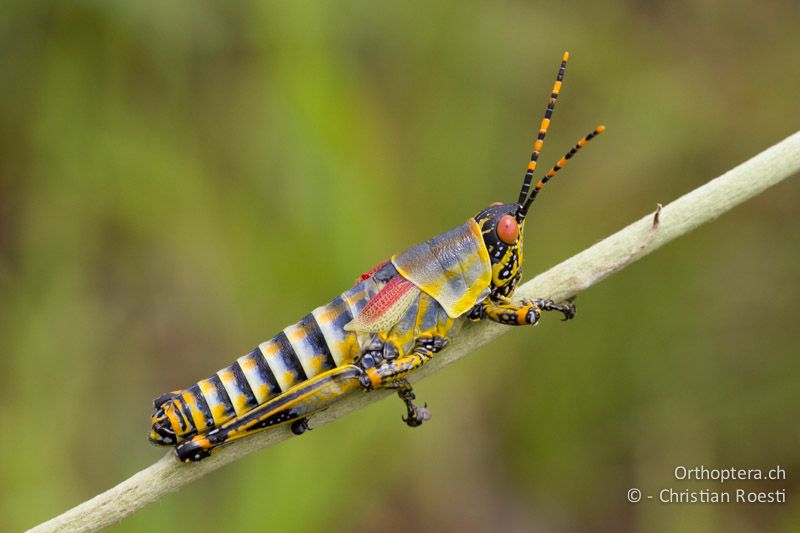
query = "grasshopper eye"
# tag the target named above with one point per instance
(508, 229)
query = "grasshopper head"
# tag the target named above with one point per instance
(502, 234)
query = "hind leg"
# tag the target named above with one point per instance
(416, 415)
(293, 406)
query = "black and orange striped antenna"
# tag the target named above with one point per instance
(537, 145)
(558, 166)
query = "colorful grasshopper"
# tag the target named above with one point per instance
(395, 319)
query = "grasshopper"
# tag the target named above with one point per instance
(391, 322)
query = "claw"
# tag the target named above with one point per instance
(569, 311)
(300, 426)
(412, 422)
(417, 416)
(422, 414)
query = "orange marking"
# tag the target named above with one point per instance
(522, 315)
(173, 420)
(532, 165)
(600, 129)
(582, 142)
(218, 413)
(197, 417)
(539, 185)
(565, 57)
(545, 124)
(537, 146)
(374, 378)
(557, 87)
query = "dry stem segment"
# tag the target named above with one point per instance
(560, 282)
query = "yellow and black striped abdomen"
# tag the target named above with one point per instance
(313, 345)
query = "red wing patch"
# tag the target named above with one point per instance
(385, 308)
(371, 273)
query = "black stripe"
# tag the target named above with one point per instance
(202, 405)
(222, 394)
(265, 372)
(164, 398)
(244, 386)
(317, 341)
(186, 412)
(346, 312)
(289, 357)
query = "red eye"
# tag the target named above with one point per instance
(507, 229)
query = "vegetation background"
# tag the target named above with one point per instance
(181, 180)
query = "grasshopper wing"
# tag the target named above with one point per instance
(386, 308)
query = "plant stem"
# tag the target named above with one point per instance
(560, 282)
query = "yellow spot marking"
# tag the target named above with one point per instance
(565, 57)
(317, 365)
(545, 124)
(350, 348)
(537, 146)
(329, 315)
(219, 414)
(240, 404)
(298, 334)
(238, 400)
(557, 87)
(268, 348)
(262, 391)
(217, 409)
(532, 165)
(208, 388)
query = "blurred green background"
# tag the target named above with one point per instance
(181, 180)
